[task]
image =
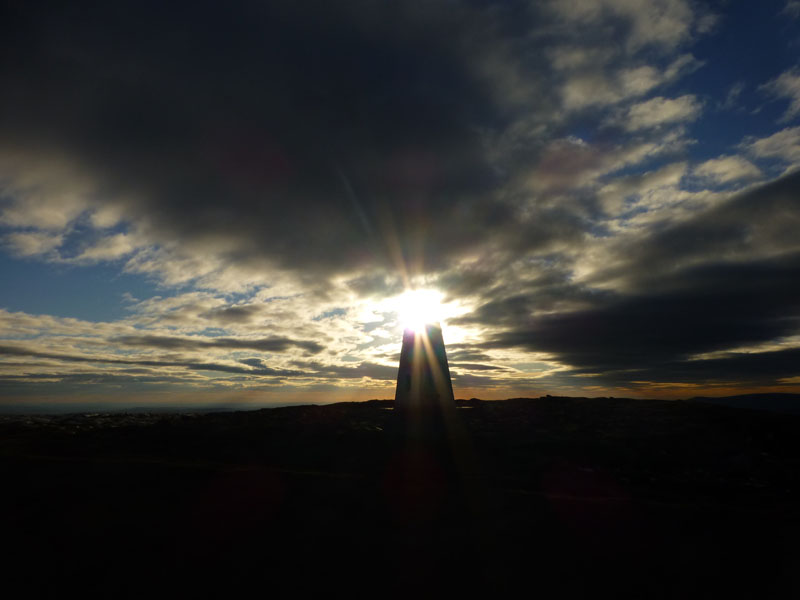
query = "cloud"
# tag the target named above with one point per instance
(650, 330)
(192, 365)
(32, 243)
(731, 101)
(783, 146)
(653, 336)
(280, 169)
(661, 111)
(792, 8)
(749, 227)
(642, 189)
(725, 278)
(569, 164)
(787, 85)
(207, 162)
(365, 369)
(590, 85)
(245, 313)
(476, 366)
(726, 169)
(381, 132)
(273, 344)
(660, 23)
(108, 248)
(41, 190)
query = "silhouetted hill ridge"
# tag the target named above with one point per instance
(774, 402)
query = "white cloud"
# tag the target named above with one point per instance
(662, 111)
(44, 209)
(664, 23)
(570, 163)
(787, 85)
(726, 169)
(106, 216)
(648, 188)
(783, 145)
(640, 80)
(32, 243)
(109, 248)
(593, 87)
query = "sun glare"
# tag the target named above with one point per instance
(417, 308)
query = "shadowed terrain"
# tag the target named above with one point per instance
(571, 496)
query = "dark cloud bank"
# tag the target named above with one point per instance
(699, 286)
(290, 133)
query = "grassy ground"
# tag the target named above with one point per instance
(560, 496)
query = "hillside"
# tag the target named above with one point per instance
(782, 403)
(572, 496)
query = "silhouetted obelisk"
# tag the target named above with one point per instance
(423, 379)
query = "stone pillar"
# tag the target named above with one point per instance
(423, 379)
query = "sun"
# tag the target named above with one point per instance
(417, 308)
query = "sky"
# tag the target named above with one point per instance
(225, 204)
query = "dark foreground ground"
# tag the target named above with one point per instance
(555, 497)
